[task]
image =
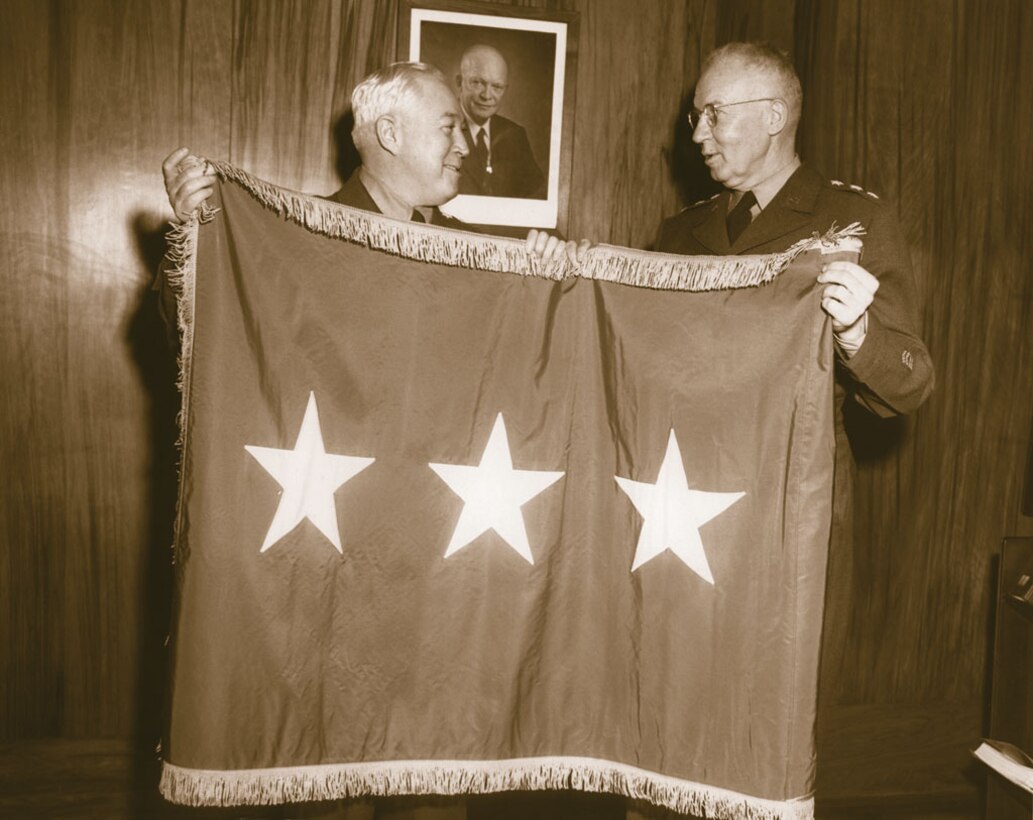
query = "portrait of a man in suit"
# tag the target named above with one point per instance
(501, 161)
(513, 79)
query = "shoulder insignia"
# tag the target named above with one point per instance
(701, 202)
(835, 183)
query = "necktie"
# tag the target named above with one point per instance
(482, 147)
(739, 217)
(479, 151)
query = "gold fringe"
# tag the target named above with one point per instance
(180, 266)
(428, 243)
(205, 787)
(179, 269)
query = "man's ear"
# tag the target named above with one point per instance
(389, 134)
(778, 117)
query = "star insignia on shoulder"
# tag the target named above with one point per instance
(701, 202)
(857, 189)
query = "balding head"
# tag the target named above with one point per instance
(745, 112)
(482, 82)
(770, 72)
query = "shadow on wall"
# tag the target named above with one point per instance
(688, 172)
(347, 155)
(155, 361)
(872, 439)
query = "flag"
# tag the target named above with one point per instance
(450, 522)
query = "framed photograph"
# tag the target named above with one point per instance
(513, 73)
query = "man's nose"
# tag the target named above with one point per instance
(701, 131)
(459, 142)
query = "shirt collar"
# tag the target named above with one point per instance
(475, 127)
(769, 188)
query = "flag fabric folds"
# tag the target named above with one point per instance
(449, 523)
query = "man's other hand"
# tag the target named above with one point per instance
(550, 249)
(188, 183)
(849, 291)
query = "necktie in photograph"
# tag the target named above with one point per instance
(478, 157)
(739, 217)
(482, 149)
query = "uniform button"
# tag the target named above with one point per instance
(907, 360)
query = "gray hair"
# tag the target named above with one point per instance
(385, 90)
(769, 60)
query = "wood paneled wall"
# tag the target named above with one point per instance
(924, 102)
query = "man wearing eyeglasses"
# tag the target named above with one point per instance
(501, 162)
(746, 110)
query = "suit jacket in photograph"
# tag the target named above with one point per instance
(515, 172)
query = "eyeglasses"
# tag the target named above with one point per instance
(710, 112)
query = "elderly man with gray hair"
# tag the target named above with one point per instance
(746, 110)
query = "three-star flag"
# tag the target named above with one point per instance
(493, 492)
(328, 672)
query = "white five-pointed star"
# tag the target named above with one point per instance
(673, 513)
(493, 493)
(309, 477)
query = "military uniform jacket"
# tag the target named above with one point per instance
(892, 372)
(354, 194)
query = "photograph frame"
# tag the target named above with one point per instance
(420, 26)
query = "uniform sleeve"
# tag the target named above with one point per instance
(675, 236)
(892, 372)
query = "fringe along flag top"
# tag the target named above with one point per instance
(450, 523)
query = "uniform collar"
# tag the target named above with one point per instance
(354, 194)
(789, 210)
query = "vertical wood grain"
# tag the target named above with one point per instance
(919, 102)
(631, 82)
(294, 66)
(29, 645)
(924, 103)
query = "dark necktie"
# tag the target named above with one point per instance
(479, 151)
(739, 217)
